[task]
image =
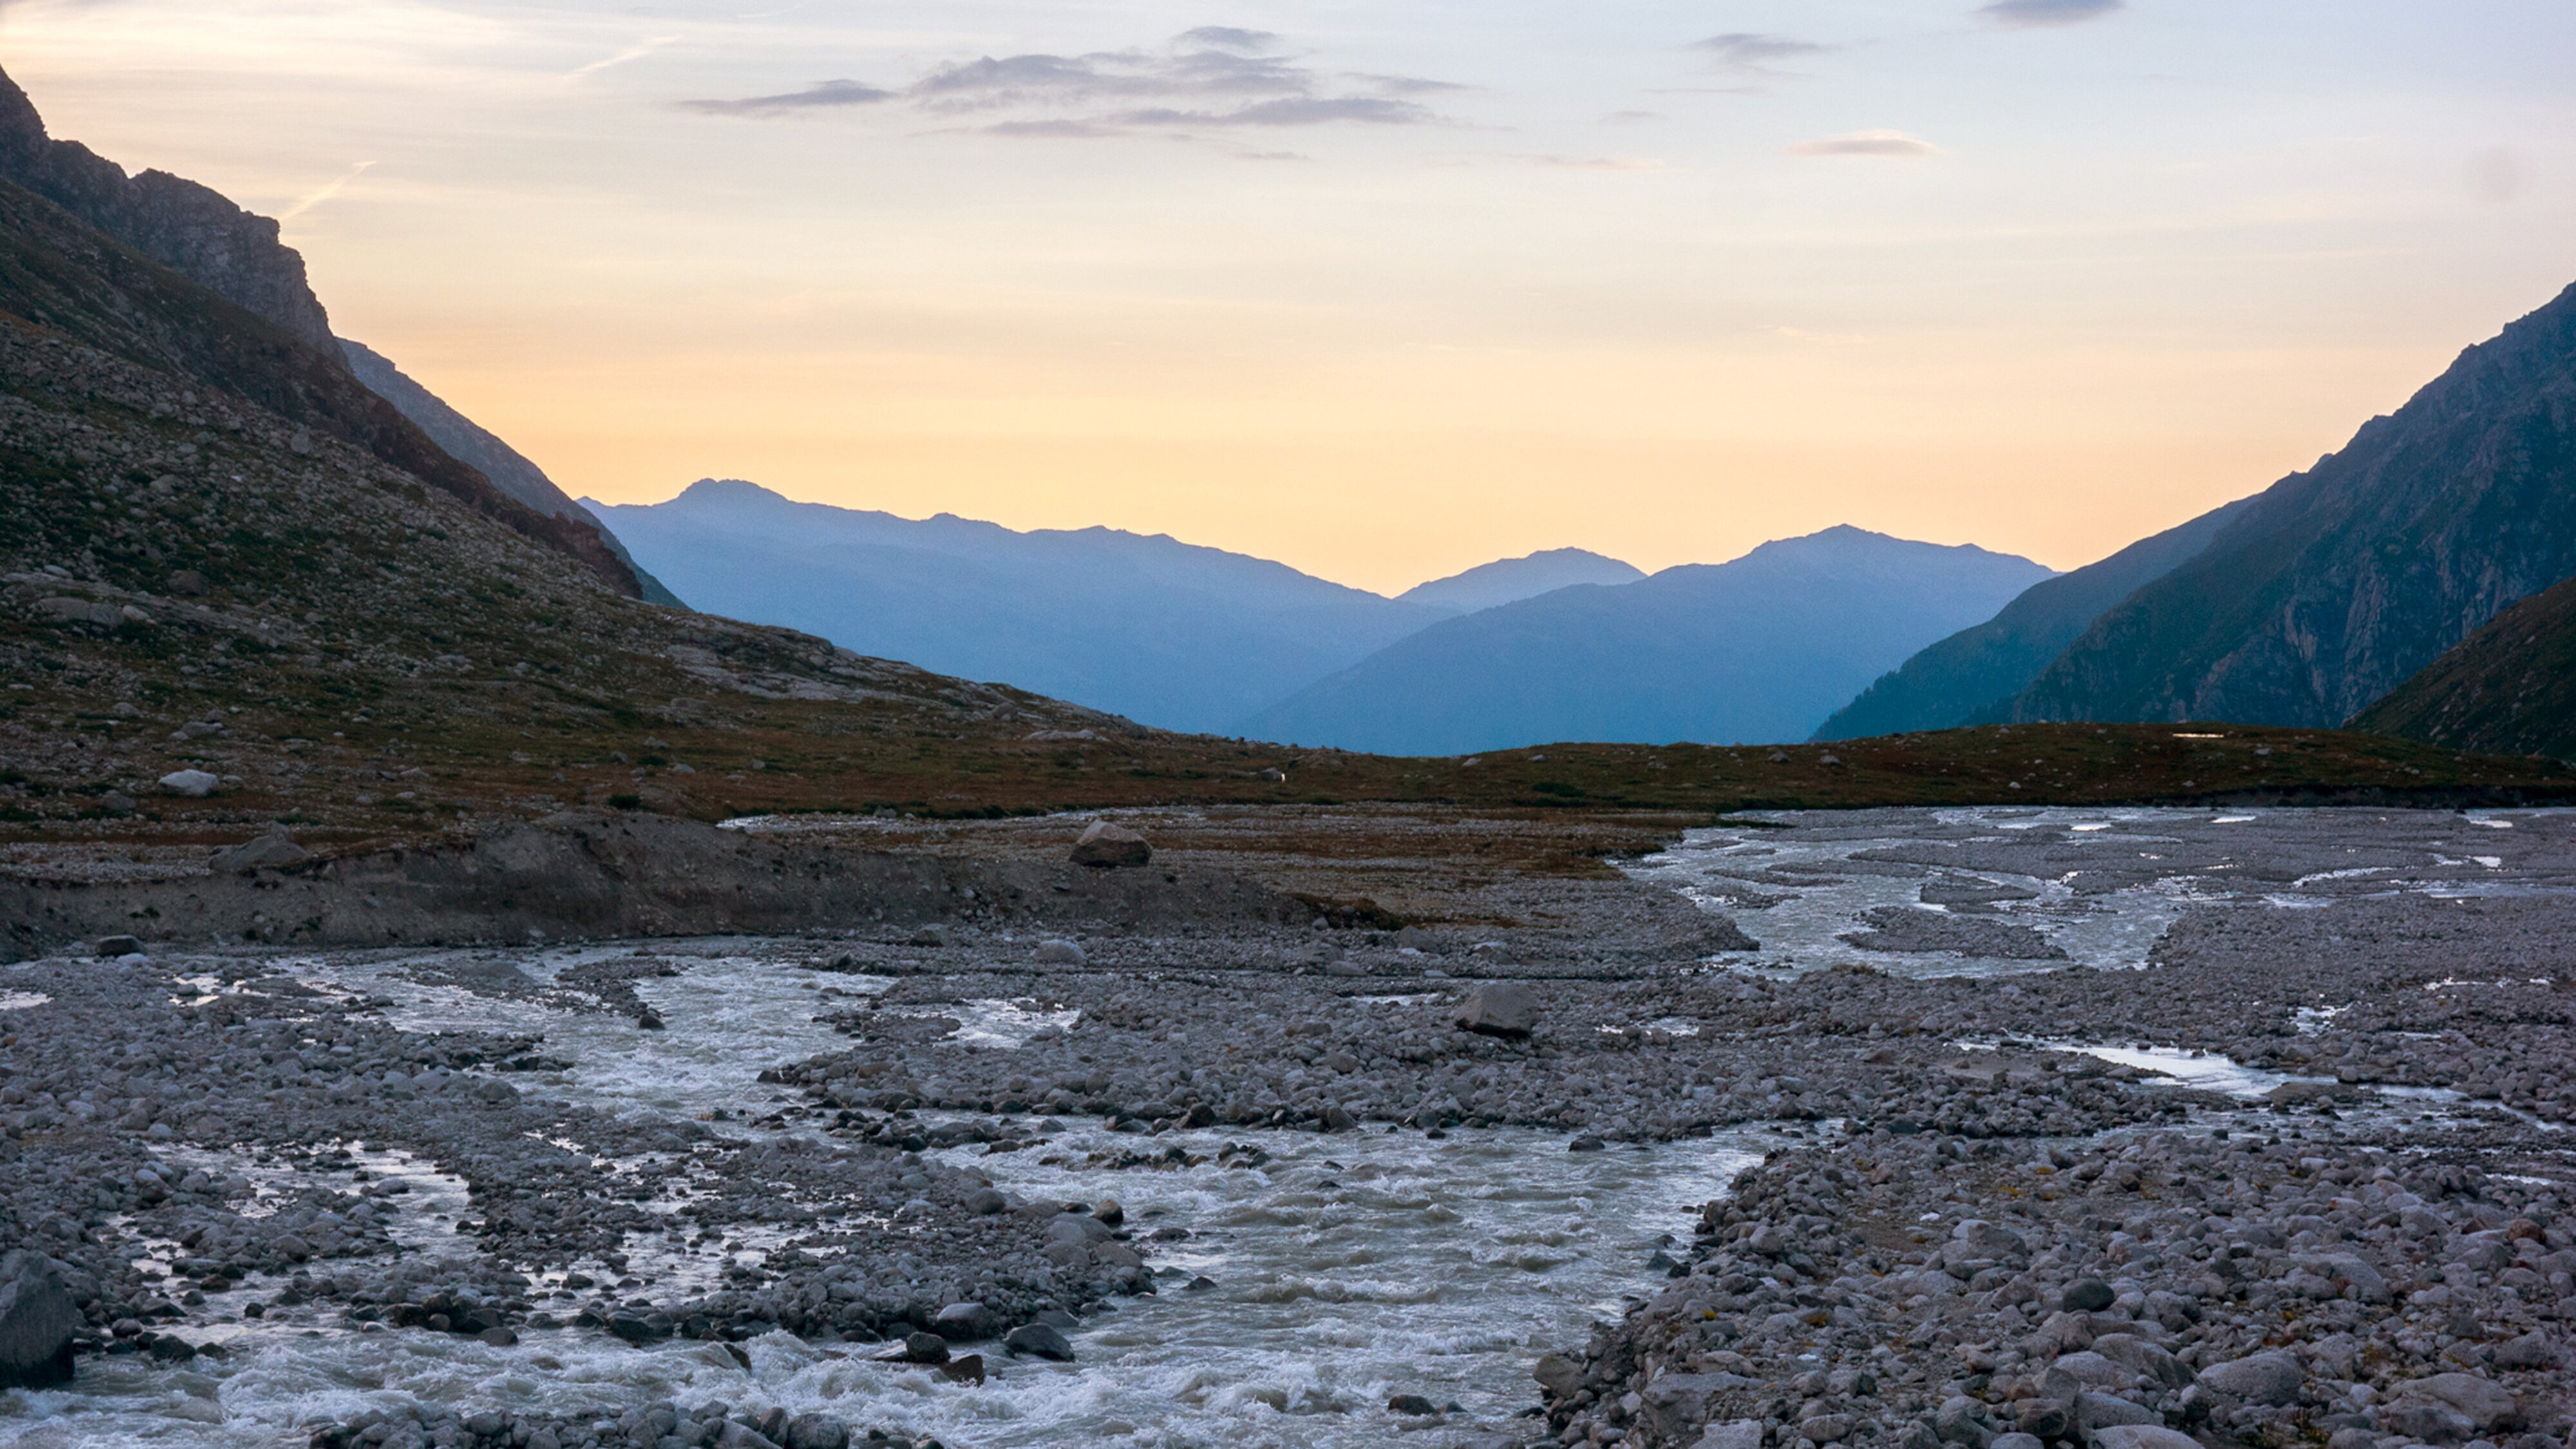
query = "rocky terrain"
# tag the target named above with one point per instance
(1981, 1214)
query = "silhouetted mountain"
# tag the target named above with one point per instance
(1972, 676)
(1160, 631)
(1761, 648)
(469, 443)
(200, 235)
(2508, 689)
(2337, 584)
(1510, 580)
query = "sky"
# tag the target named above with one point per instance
(1386, 290)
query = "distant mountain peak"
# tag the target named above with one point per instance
(1510, 580)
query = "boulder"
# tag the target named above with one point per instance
(1038, 1340)
(814, 1431)
(195, 784)
(2485, 1403)
(2261, 1378)
(1059, 953)
(1559, 1375)
(2531, 1351)
(2090, 1296)
(2138, 1356)
(924, 1348)
(1104, 846)
(1505, 1008)
(962, 1322)
(111, 947)
(1675, 1404)
(37, 1321)
(2142, 1436)
(2103, 1411)
(269, 852)
(1732, 1434)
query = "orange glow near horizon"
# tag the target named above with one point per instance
(1606, 284)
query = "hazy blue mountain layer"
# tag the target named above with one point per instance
(1510, 580)
(1164, 632)
(1759, 649)
(2335, 585)
(1972, 676)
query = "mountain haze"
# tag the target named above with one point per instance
(1164, 632)
(1759, 649)
(1972, 676)
(1510, 580)
(2335, 585)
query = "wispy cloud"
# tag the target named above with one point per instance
(821, 96)
(1868, 143)
(325, 192)
(2029, 14)
(1214, 78)
(637, 51)
(1600, 163)
(1751, 52)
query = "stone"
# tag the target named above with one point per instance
(1108, 1213)
(1104, 846)
(111, 947)
(2043, 1419)
(188, 584)
(2530, 1351)
(1834, 1429)
(195, 784)
(499, 1336)
(1557, 1374)
(962, 1322)
(2103, 1411)
(117, 802)
(37, 1321)
(1038, 1340)
(964, 1369)
(2016, 1440)
(2142, 1436)
(2140, 1357)
(2262, 1378)
(2486, 1403)
(1961, 1421)
(1411, 1405)
(924, 1348)
(1674, 1404)
(1059, 952)
(272, 851)
(2090, 1296)
(1504, 1008)
(814, 1431)
(1732, 1434)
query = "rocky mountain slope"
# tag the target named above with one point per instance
(2509, 688)
(1972, 676)
(1762, 648)
(1175, 635)
(203, 236)
(2337, 584)
(1510, 580)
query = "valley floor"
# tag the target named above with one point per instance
(2137, 1127)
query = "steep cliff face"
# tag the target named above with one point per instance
(2508, 689)
(191, 229)
(2334, 586)
(66, 201)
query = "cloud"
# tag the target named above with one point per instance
(1227, 37)
(823, 96)
(637, 51)
(1868, 143)
(1747, 51)
(2029, 14)
(1211, 78)
(325, 192)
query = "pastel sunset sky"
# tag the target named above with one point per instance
(1384, 290)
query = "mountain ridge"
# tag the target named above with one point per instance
(2338, 583)
(1761, 647)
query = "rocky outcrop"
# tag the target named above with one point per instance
(191, 229)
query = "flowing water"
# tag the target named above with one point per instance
(1340, 1271)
